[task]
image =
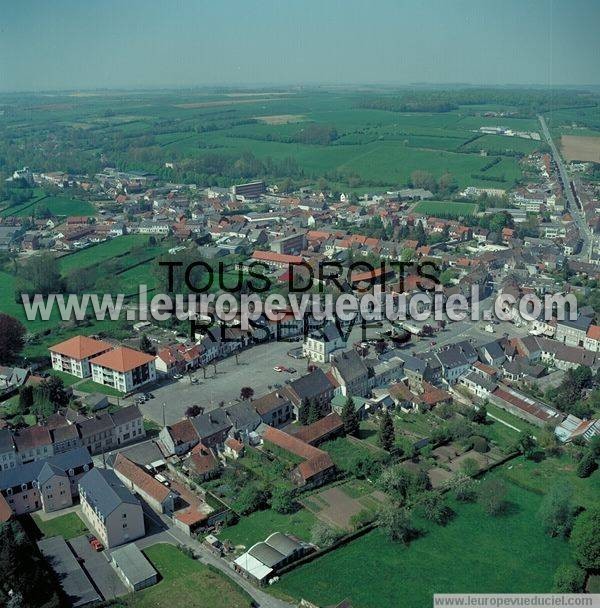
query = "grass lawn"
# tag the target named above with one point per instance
(445, 208)
(474, 553)
(343, 452)
(67, 526)
(68, 379)
(511, 419)
(185, 582)
(259, 525)
(89, 386)
(540, 476)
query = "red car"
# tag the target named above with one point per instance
(95, 544)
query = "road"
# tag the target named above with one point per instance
(574, 209)
(167, 533)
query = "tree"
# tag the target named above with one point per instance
(396, 523)
(303, 412)
(585, 539)
(469, 466)
(569, 578)
(314, 412)
(587, 465)
(282, 499)
(146, 344)
(480, 415)
(422, 179)
(24, 571)
(193, 411)
(323, 536)
(465, 488)
(12, 338)
(480, 444)
(492, 495)
(527, 444)
(40, 274)
(433, 508)
(386, 435)
(250, 498)
(350, 418)
(53, 389)
(398, 482)
(557, 511)
(25, 398)
(246, 393)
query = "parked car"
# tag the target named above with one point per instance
(95, 544)
(177, 376)
(279, 368)
(291, 370)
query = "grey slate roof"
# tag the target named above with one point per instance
(27, 473)
(73, 579)
(311, 385)
(282, 543)
(48, 471)
(6, 441)
(132, 562)
(210, 423)
(126, 414)
(266, 554)
(105, 491)
(350, 366)
(243, 416)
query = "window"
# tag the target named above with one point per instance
(124, 525)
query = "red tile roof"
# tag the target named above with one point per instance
(80, 347)
(140, 478)
(122, 359)
(183, 432)
(315, 432)
(278, 258)
(5, 510)
(594, 332)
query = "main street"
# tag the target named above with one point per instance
(576, 212)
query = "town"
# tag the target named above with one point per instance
(299, 462)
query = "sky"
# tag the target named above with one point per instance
(90, 44)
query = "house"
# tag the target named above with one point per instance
(202, 463)
(137, 480)
(33, 486)
(33, 443)
(316, 467)
(477, 384)
(455, 360)
(416, 371)
(179, 438)
(8, 451)
(73, 356)
(212, 428)
(313, 387)
(123, 369)
(573, 333)
(11, 378)
(113, 512)
(233, 448)
(243, 418)
(492, 353)
(274, 408)
(351, 373)
(277, 260)
(592, 339)
(320, 344)
(133, 568)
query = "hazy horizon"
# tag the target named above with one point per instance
(68, 45)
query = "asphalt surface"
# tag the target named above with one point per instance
(576, 212)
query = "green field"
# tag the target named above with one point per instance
(257, 526)
(474, 553)
(445, 208)
(68, 526)
(57, 205)
(185, 582)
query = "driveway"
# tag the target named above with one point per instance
(98, 569)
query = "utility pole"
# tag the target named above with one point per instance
(163, 414)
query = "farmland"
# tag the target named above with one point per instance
(464, 556)
(375, 147)
(581, 148)
(445, 208)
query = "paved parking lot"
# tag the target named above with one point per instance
(98, 569)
